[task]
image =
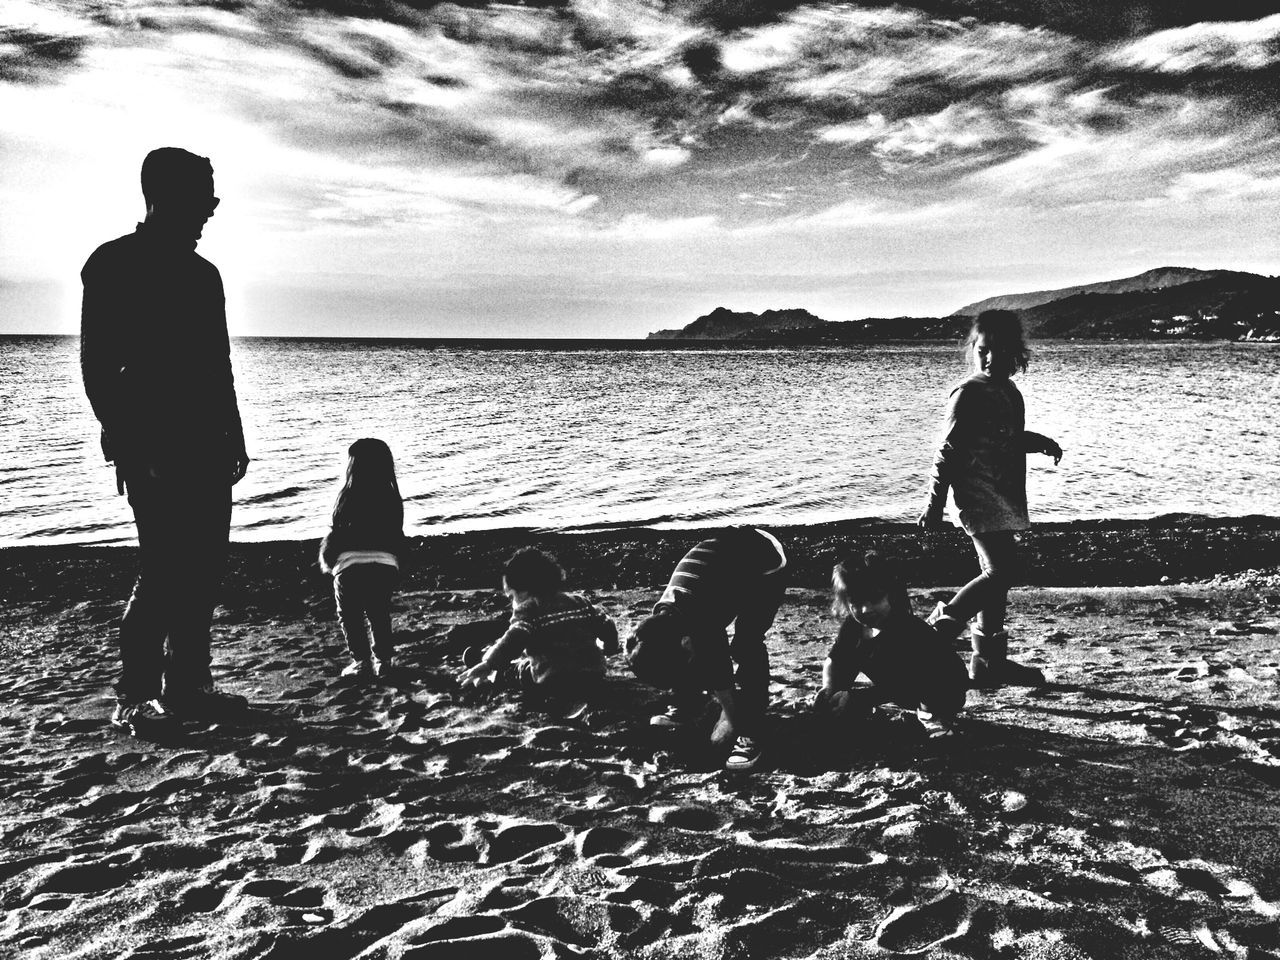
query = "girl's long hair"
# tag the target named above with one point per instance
(867, 576)
(1003, 329)
(369, 494)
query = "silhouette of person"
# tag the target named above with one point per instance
(155, 357)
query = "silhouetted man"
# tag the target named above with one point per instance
(157, 368)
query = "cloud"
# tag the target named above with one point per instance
(1231, 184)
(1217, 46)
(739, 112)
(37, 42)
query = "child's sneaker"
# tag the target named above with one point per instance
(745, 755)
(359, 669)
(382, 666)
(935, 727)
(139, 717)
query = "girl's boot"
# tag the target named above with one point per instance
(991, 667)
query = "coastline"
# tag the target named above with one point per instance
(1174, 548)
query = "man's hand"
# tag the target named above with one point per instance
(239, 467)
(1051, 449)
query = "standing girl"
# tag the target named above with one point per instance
(983, 460)
(362, 550)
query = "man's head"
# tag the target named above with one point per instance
(178, 187)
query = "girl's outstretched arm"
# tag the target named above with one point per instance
(1039, 443)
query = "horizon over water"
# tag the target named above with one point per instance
(599, 434)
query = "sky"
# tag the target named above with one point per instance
(605, 168)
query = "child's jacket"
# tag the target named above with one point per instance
(983, 456)
(558, 633)
(908, 663)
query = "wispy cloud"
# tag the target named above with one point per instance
(638, 121)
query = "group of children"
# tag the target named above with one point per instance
(556, 642)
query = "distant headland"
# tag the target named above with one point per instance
(1160, 304)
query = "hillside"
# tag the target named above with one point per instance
(725, 324)
(799, 327)
(1157, 279)
(1225, 305)
(1168, 302)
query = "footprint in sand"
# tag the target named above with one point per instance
(449, 843)
(514, 842)
(576, 920)
(603, 840)
(688, 817)
(202, 898)
(921, 928)
(79, 878)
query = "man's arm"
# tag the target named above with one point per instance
(102, 358)
(227, 401)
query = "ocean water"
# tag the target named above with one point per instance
(611, 436)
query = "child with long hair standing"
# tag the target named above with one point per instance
(982, 459)
(362, 550)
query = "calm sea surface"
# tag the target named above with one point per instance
(549, 438)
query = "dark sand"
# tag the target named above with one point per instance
(1129, 810)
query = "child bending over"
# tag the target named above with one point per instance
(736, 577)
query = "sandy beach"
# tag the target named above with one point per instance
(1127, 810)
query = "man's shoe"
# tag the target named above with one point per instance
(138, 717)
(360, 669)
(746, 755)
(205, 703)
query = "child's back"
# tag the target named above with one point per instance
(555, 631)
(558, 633)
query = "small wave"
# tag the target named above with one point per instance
(271, 496)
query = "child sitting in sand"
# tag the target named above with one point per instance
(556, 632)
(903, 657)
(734, 577)
(362, 550)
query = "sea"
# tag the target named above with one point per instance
(597, 435)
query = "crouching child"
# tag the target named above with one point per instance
(907, 662)
(735, 577)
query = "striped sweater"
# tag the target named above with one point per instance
(713, 579)
(558, 634)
